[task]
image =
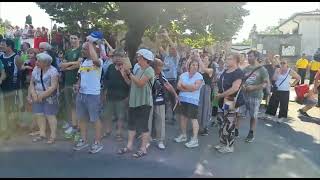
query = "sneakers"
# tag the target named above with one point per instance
(192, 143)
(226, 149)
(266, 116)
(304, 113)
(96, 147)
(161, 145)
(250, 137)
(80, 145)
(204, 132)
(219, 146)
(69, 130)
(236, 133)
(65, 125)
(181, 138)
(76, 136)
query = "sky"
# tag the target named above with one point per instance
(263, 14)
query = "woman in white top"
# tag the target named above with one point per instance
(281, 90)
(189, 85)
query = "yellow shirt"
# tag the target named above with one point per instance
(302, 63)
(314, 65)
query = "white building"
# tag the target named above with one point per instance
(308, 25)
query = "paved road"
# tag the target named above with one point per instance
(290, 149)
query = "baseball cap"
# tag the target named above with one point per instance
(95, 36)
(147, 54)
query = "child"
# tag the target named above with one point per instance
(310, 100)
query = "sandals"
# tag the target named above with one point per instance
(51, 141)
(123, 151)
(139, 154)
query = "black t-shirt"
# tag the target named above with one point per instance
(117, 88)
(158, 90)
(226, 79)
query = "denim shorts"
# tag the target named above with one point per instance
(44, 108)
(311, 102)
(88, 107)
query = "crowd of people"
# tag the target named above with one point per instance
(99, 85)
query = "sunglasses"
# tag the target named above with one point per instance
(283, 63)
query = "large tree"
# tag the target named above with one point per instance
(207, 21)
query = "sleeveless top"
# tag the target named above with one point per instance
(285, 86)
(12, 82)
(206, 79)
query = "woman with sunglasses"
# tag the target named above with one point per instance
(281, 91)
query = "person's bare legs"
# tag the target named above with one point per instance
(74, 118)
(83, 129)
(253, 123)
(108, 124)
(145, 142)
(183, 124)
(41, 121)
(120, 126)
(53, 126)
(307, 108)
(195, 128)
(98, 128)
(131, 137)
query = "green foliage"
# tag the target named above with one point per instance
(270, 30)
(207, 21)
(3, 25)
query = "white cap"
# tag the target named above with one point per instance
(146, 54)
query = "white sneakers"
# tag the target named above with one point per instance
(191, 144)
(181, 138)
(219, 146)
(161, 145)
(226, 149)
(69, 130)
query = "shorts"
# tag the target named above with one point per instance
(44, 108)
(69, 96)
(310, 102)
(188, 110)
(116, 108)
(138, 118)
(88, 106)
(252, 105)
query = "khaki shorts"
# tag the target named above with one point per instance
(116, 108)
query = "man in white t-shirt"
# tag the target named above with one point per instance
(88, 98)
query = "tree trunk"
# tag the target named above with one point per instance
(133, 40)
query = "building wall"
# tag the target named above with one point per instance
(310, 30)
(273, 44)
